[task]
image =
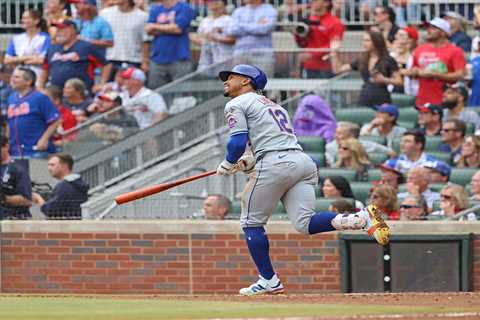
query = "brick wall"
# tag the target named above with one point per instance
(163, 257)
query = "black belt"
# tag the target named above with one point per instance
(260, 157)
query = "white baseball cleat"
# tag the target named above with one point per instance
(349, 221)
(264, 286)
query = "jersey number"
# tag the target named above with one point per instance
(280, 119)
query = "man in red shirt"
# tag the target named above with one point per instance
(435, 63)
(323, 28)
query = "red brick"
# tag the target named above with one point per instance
(82, 236)
(59, 250)
(94, 257)
(83, 264)
(226, 236)
(153, 236)
(12, 249)
(12, 235)
(118, 257)
(71, 243)
(119, 272)
(35, 249)
(53, 235)
(130, 264)
(23, 256)
(129, 236)
(106, 236)
(132, 250)
(118, 243)
(23, 242)
(47, 257)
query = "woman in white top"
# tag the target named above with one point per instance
(403, 45)
(30, 47)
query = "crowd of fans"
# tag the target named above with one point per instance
(76, 60)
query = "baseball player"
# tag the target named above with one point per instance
(278, 170)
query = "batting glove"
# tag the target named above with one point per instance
(226, 168)
(246, 163)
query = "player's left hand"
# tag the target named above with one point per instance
(246, 163)
(226, 168)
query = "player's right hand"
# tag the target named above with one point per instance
(225, 168)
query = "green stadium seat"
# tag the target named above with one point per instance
(318, 157)
(470, 129)
(436, 186)
(431, 217)
(374, 174)
(312, 144)
(432, 143)
(396, 146)
(360, 190)
(377, 157)
(407, 124)
(348, 174)
(440, 155)
(360, 115)
(408, 115)
(403, 100)
(322, 204)
(377, 139)
(462, 176)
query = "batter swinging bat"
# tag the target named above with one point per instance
(147, 191)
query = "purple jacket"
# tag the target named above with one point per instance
(314, 118)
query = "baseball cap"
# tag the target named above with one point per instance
(439, 166)
(428, 107)
(460, 86)
(391, 109)
(111, 96)
(64, 24)
(133, 73)
(412, 32)
(441, 24)
(390, 165)
(453, 14)
(90, 2)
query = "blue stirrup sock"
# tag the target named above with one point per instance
(259, 248)
(321, 222)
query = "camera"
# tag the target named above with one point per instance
(302, 28)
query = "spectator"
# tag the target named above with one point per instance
(30, 47)
(470, 153)
(73, 58)
(384, 197)
(347, 130)
(216, 45)
(147, 106)
(453, 136)
(436, 63)
(130, 42)
(455, 98)
(168, 23)
(413, 208)
(68, 194)
(315, 118)
(16, 188)
(458, 27)
(384, 124)
(32, 117)
(55, 12)
(377, 69)
(216, 207)
(438, 171)
(352, 155)
(476, 39)
(384, 18)
(412, 146)
(453, 199)
(339, 187)
(341, 206)
(404, 44)
(417, 185)
(75, 98)
(475, 186)
(323, 28)
(5, 88)
(389, 175)
(430, 119)
(91, 26)
(406, 11)
(252, 27)
(68, 120)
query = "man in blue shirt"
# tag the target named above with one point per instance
(74, 58)
(32, 117)
(168, 23)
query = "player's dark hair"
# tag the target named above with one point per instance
(418, 136)
(342, 185)
(29, 75)
(64, 158)
(37, 15)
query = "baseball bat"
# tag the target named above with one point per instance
(147, 191)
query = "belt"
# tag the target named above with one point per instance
(260, 157)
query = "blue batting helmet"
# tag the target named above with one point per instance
(258, 77)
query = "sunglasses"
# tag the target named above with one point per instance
(448, 130)
(445, 197)
(344, 148)
(407, 206)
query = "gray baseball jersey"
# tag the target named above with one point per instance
(283, 172)
(268, 125)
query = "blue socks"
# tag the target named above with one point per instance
(321, 222)
(259, 248)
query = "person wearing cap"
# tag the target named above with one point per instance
(130, 41)
(438, 171)
(91, 26)
(384, 18)
(169, 23)
(430, 119)
(72, 57)
(384, 124)
(453, 136)
(412, 146)
(458, 27)
(418, 185)
(455, 98)
(389, 175)
(470, 154)
(147, 106)
(436, 62)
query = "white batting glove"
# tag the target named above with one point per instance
(246, 163)
(226, 168)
